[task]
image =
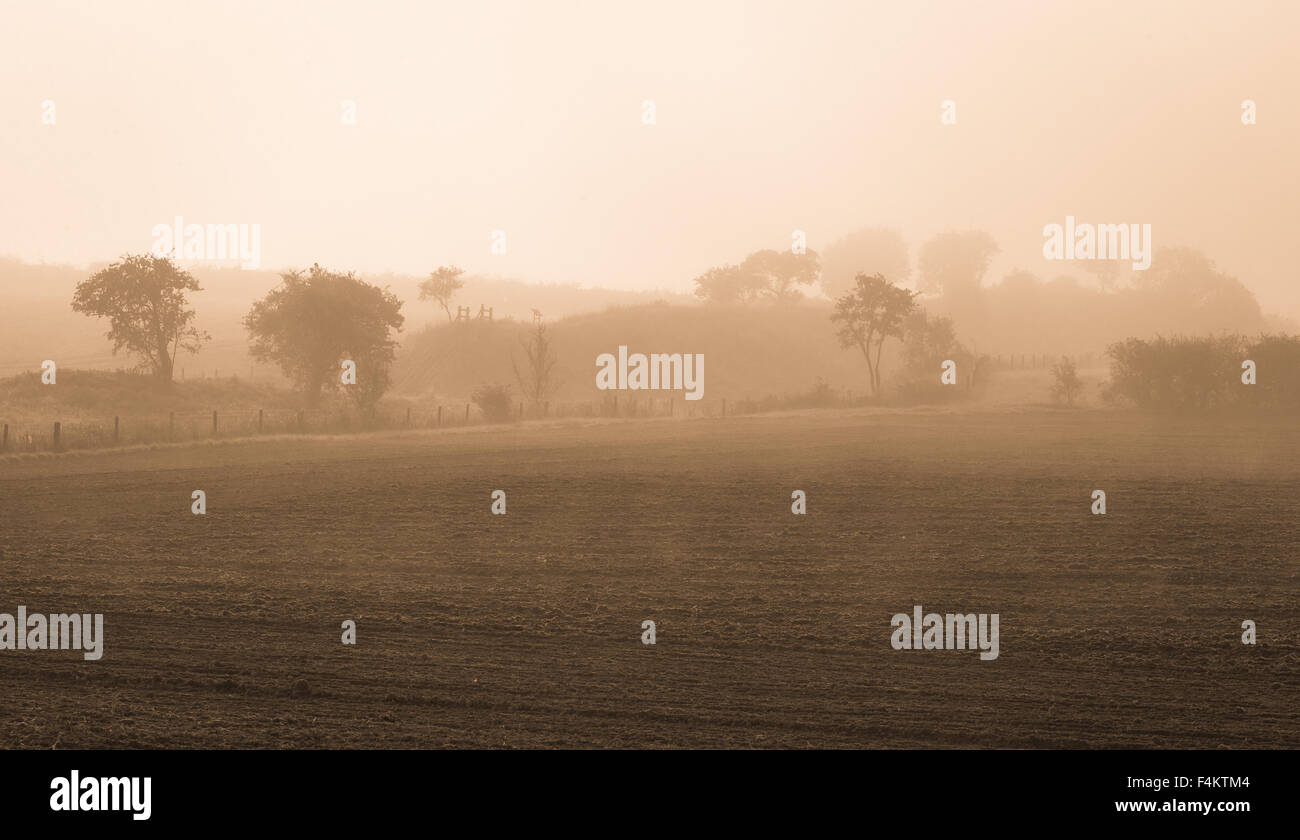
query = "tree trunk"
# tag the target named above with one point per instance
(166, 368)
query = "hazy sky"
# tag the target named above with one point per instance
(527, 118)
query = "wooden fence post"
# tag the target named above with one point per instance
(466, 414)
(58, 429)
(214, 422)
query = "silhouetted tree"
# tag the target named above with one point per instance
(314, 321)
(868, 251)
(441, 285)
(726, 284)
(144, 298)
(873, 311)
(779, 274)
(766, 274)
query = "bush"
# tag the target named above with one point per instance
(494, 401)
(1204, 372)
(1066, 384)
(1277, 365)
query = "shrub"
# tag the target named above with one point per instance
(494, 401)
(1204, 372)
(1066, 384)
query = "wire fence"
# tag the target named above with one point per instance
(55, 434)
(183, 426)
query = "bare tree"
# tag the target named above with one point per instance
(1066, 382)
(537, 374)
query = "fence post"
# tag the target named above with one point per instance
(58, 429)
(214, 422)
(116, 428)
(466, 414)
(259, 421)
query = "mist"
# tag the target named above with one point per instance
(529, 119)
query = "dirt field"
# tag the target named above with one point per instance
(524, 630)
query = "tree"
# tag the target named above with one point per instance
(537, 378)
(442, 285)
(875, 250)
(928, 342)
(726, 284)
(954, 263)
(1185, 291)
(774, 275)
(779, 274)
(1066, 384)
(873, 311)
(314, 321)
(144, 298)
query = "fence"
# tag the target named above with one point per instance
(128, 430)
(124, 430)
(1040, 361)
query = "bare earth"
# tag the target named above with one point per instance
(523, 630)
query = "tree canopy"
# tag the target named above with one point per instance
(876, 309)
(315, 320)
(441, 285)
(144, 298)
(764, 275)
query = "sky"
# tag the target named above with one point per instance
(529, 118)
